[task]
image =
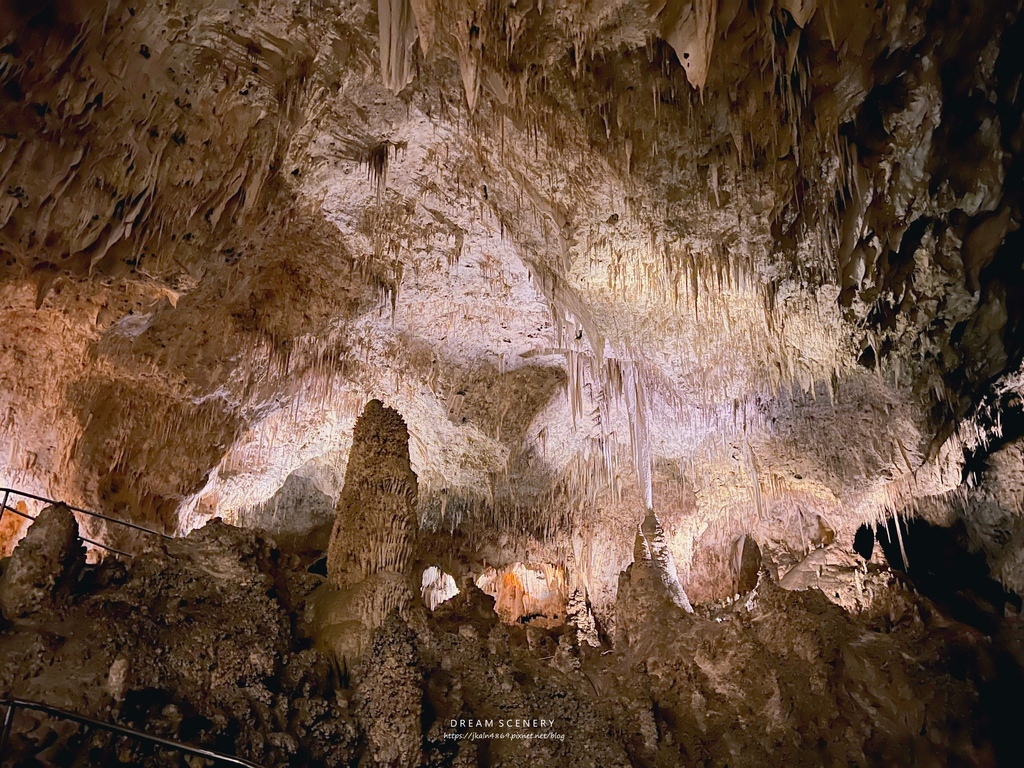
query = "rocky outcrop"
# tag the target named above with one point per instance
(195, 641)
(641, 593)
(41, 574)
(995, 514)
(191, 640)
(579, 616)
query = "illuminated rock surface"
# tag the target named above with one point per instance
(199, 640)
(44, 565)
(751, 271)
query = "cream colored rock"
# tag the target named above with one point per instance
(224, 227)
(369, 556)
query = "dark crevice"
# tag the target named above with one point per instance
(864, 541)
(1001, 420)
(944, 569)
(958, 582)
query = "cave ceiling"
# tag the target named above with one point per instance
(752, 262)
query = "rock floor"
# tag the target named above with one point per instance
(204, 640)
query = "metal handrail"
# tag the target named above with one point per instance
(107, 547)
(8, 492)
(12, 704)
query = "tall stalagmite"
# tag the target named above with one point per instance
(376, 524)
(369, 558)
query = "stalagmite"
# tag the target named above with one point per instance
(579, 615)
(391, 700)
(375, 526)
(657, 551)
(369, 556)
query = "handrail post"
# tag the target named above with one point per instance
(7, 495)
(6, 731)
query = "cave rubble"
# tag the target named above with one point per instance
(217, 653)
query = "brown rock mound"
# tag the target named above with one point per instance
(44, 565)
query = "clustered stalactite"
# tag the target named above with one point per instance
(131, 194)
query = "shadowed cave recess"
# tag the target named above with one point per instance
(512, 382)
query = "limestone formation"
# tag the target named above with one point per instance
(587, 254)
(579, 616)
(437, 586)
(376, 523)
(655, 550)
(196, 641)
(642, 592)
(390, 699)
(527, 593)
(753, 266)
(369, 557)
(41, 573)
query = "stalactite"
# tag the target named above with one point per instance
(397, 38)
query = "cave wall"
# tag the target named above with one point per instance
(785, 232)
